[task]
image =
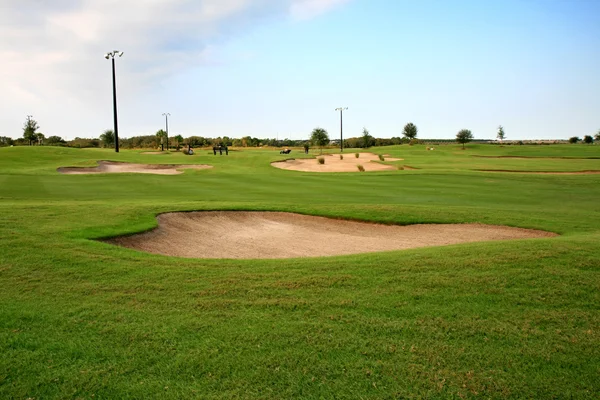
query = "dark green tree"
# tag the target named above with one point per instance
(319, 137)
(367, 139)
(410, 131)
(178, 139)
(55, 141)
(108, 138)
(574, 139)
(6, 141)
(464, 136)
(587, 139)
(161, 136)
(500, 134)
(30, 130)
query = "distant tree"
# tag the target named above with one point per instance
(161, 136)
(227, 141)
(108, 138)
(574, 139)
(83, 143)
(30, 130)
(248, 141)
(597, 137)
(178, 139)
(410, 131)
(6, 141)
(587, 139)
(500, 134)
(319, 137)
(55, 140)
(367, 139)
(40, 138)
(352, 143)
(464, 136)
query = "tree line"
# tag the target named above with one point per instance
(319, 137)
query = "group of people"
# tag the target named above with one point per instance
(288, 151)
(220, 149)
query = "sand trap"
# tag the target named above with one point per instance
(220, 234)
(113, 167)
(334, 164)
(589, 172)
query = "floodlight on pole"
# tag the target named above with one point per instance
(341, 110)
(111, 55)
(167, 127)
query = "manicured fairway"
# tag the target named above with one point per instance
(81, 318)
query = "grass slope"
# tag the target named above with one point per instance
(83, 319)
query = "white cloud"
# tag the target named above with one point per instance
(52, 50)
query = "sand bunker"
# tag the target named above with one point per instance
(113, 167)
(219, 234)
(334, 164)
(589, 172)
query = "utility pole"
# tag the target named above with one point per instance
(167, 127)
(111, 56)
(341, 110)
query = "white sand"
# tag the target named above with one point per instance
(350, 163)
(113, 167)
(220, 234)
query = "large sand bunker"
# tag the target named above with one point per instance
(113, 167)
(219, 234)
(334, 164)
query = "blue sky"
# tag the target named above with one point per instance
(279, 68)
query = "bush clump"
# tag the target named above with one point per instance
(341, 156)
(381, 158)
(400, 168)
(321, 160)
(356, 155)
(360, 168)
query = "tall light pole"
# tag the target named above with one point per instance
(111, 56)
(167, 127)
(341, 110)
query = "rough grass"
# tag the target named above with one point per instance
(84, 319)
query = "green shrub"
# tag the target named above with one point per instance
(360, 168)
(356, 155)
(321, 160)
(381, 158)
(400, 168)
(341, 156)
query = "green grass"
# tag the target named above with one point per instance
(517, 319)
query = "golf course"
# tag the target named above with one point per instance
(84, 315)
